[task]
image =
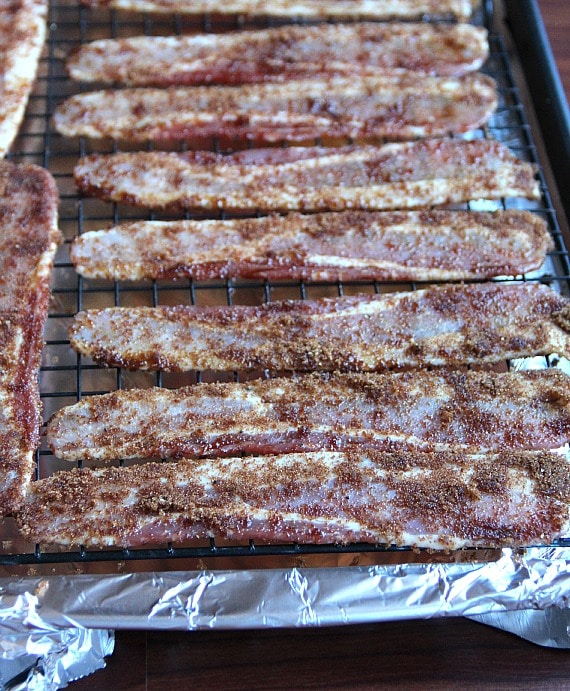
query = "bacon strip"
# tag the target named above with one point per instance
(29, 238)
(332, 246)
(445, 325)
(394, 107)
(22, 36)
(426, 411)
(293, 9)
(438, 501)
(282, 53)
(405, 175)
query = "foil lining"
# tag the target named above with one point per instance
(59, 627)
(46, 661)
(535, 580)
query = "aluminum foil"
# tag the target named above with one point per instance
(59, 626)
(35, 655)
(535, 580)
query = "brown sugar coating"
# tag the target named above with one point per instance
(427, 411)
(428, 245)
(393, 107)
(28, 240)
(282, 53)
(22, 35)
(404, 175)
(316, 9)
(439, 500)
(447, 325)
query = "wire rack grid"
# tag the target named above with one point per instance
(66, 377)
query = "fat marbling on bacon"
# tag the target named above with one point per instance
(394, 107)
(28, 241)
(444, 325)
(439, 501)
(281, 54)
(300, 9)
(330, 246)
(402, 175)
(425, 411)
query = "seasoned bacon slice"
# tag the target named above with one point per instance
(404, 175)
(393, 107)
(426, 411)
(438, 501)
(445, 325)
(281, 54)
(293, 9)
(22, 36)
(28, 241)
(330, 246)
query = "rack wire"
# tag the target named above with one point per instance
(66, 377)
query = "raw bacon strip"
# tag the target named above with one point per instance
(28, 241)
(22, 36)
(446, 325)
(293, 9)
(439, 501)
(427, 411)
(282, 53)
(393, 107)
(404, 175)
(331, 246)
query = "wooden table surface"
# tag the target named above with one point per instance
(556, 15)
(443, 653)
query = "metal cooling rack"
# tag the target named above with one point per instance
(66, 376)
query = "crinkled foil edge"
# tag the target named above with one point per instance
(59, 628)
(537, 579)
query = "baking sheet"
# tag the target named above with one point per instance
(215, 584)
(266, 598)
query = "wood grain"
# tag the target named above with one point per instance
(556, 16)
(431, 654)
(440, 653)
